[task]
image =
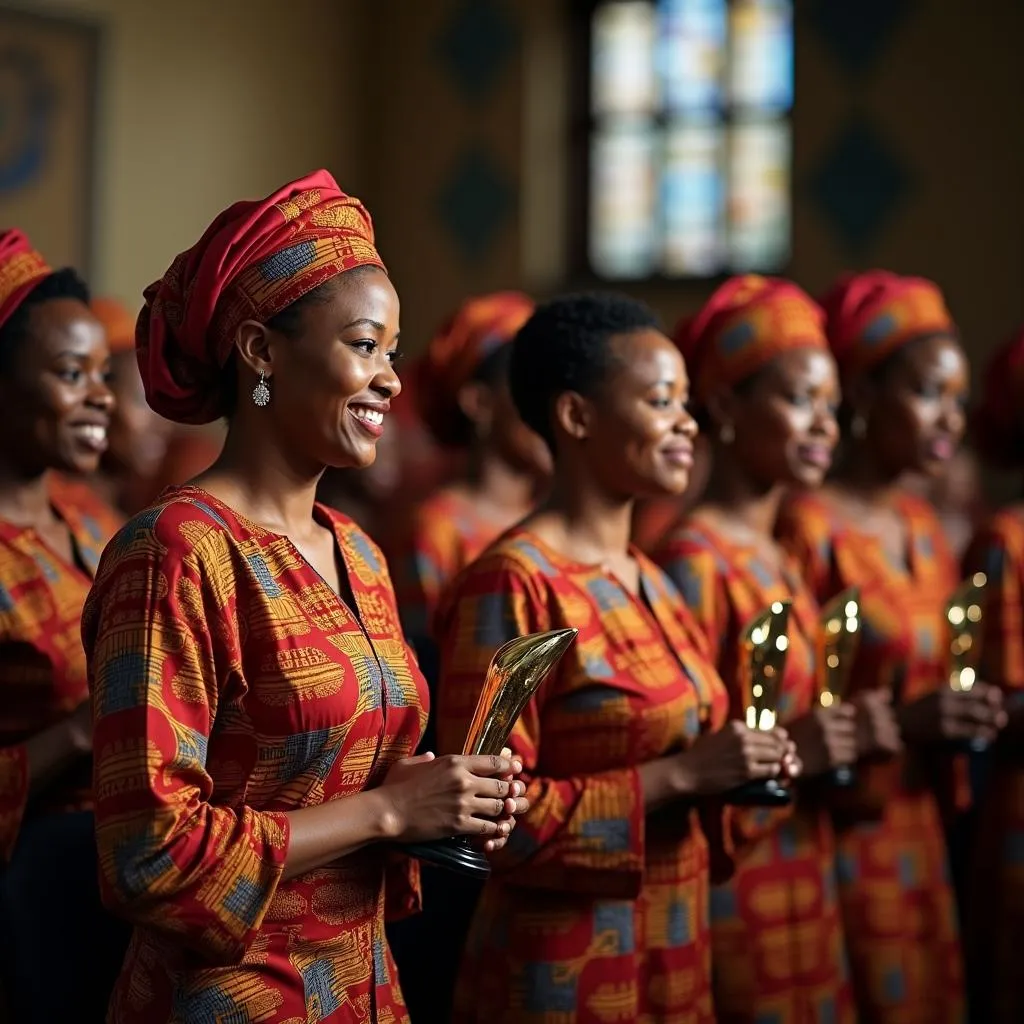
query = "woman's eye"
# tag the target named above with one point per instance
(661, 403)
(366, 346)
(70, 374)
(394, 357)
(800, 401)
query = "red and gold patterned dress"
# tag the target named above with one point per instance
(898, 909)
(230, 684)
(776, 929)
(42, 663)
(595, 912)
(995, 911)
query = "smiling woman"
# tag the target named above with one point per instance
(53, 390)
(255, 704)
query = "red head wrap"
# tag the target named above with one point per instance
(479, 327)
(118, 324)
(745, 324)
(1000, 414)
(21, 269)
(871, 315)
(252, 262)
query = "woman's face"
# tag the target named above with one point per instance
(332, 384)
(639, 436)
(55, 395)
(138, 436)
(916, 413)
(785, 421)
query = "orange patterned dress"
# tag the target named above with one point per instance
(596, 912)
(898, 909)
(42, 663)
(231, 684)
(995, 923)
(776, 929)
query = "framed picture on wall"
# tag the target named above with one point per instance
(48, 84)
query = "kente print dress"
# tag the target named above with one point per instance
(595, 912)
(995, 905)
(902, 935)
(231, 684)
(776, 929)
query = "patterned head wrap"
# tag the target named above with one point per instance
(252, 262)
(745, 324)
(871, 315)
(118, 324)
(479, 327)
(21, 269)
(999, 416)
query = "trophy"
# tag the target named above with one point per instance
(838, 640)
(513, 677)
(963, 613)
(762, 664)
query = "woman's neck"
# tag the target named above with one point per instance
(861, 475)
(593, 525)
(24, 499)
(733, 495)
(256, 477)
(499, 486)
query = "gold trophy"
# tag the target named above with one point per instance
(513, 677)
(964, 612)
(762, 664)
(838, 640)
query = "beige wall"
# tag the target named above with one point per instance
(206, 101)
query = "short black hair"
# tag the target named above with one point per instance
(61, 284)
(564, 347)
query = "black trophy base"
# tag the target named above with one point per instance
(842, 777)
(455, 854)
(760, 793)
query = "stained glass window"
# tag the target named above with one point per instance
(689, 154)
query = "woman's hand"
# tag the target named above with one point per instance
(825, 738)
(430, 797)
(720, 761)
(950, 715)
(509, 818)
(878, 729)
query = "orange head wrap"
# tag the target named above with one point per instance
(252, 262)
(871, 315)
(479, 327)
(118, 324)
(21, 269)
(999, 418)
(745, 324)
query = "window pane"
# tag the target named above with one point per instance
(759, 212)
(693, 200)
(622, 201)
(622, 70)
(761, 73)
(691, 53)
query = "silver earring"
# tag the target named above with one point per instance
(261, 393)
(727, 434)
(858, 426)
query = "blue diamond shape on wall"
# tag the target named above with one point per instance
(475, 46)
(857, 32)
(859, 184)
(475, 202)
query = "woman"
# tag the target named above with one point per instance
(765, 386)
(462, 390)
(138, 438)
(255, 705)
(57, 407)
(599, 911)
(904, 378)
(995, 908)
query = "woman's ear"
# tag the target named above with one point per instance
(476, 400)
(574, 415)
(252, 342)
(722, 412)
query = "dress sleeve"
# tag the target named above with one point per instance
(583, 833)
(13, 796)
(1002, 646)
(157, 636)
